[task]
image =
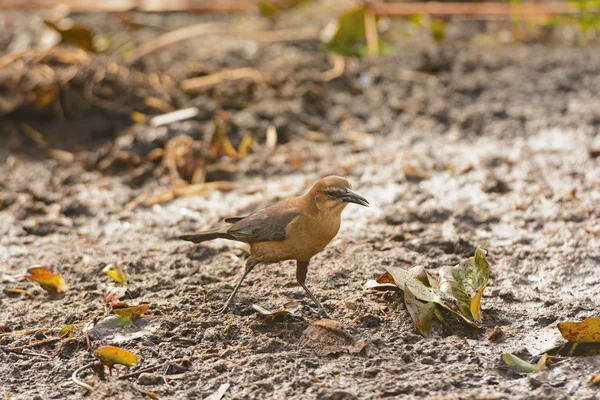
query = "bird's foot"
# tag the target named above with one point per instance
(228, 307)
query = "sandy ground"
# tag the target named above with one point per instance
(501, 136)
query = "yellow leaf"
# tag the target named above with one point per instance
(111, 355)
(137, 117)
(245, 145)
(587, 331)
(47, 280)
(66, 331)
(116, 273)
(20, 291)
(126, 313)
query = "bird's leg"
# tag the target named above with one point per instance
(301, 271)
(250, 264)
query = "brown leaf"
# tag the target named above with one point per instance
(330, 338)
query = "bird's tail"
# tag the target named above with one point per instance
(197, 237)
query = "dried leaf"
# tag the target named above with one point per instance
(111, 355)
(112, 296)
(523, 366)
(75, 35)
(330, 338)
(466, 282)
(290, 309)
(384, 282)
(586, 331)
(421, 312)
(47, 280)
(116, 273)
(430, 293)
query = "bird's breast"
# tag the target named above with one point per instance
(305, 237)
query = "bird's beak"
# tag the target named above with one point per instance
(353, 197)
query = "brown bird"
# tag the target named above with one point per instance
(295, 229)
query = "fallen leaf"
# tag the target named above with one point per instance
(20, 291)
(116, 273)
(466, 283)
(290, 309)
(523, 366)
(126, 314)
(432, 293)
(594, 381)
(421, 312)
(111, 355)
(586, 331)
(112, 296)
(66, 331)
(75, 35)
(330, 338)
(47, 280)
(384, 282)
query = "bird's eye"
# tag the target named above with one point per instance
(330, 193)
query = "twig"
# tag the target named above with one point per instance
(40, 343)
(175, 116)
(81, 383)
(192, 31)
(177, 35)
(218, 395)
(153, 368)
(371, 33)
(194, 84)
(468, 8)
(337, 70)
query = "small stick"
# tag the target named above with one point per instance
(81, 383)
(175, 116)
(371, 33)
(40, 343)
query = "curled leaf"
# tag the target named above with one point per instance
(66, 331)
(421, 312)
(125, 314)
(116, 273)
(523, 366)
(329, 337)
(49, 281)
(111, 355)
(466, 283)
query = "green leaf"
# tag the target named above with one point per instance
(523, 366)
(466, 282)
(405, 278)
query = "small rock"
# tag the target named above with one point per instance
(148, 379)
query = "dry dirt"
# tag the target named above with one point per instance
(501, 136)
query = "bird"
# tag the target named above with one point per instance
(294, 229)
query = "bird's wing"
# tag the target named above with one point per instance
(263, 226)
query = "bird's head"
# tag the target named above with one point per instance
(333, 193)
